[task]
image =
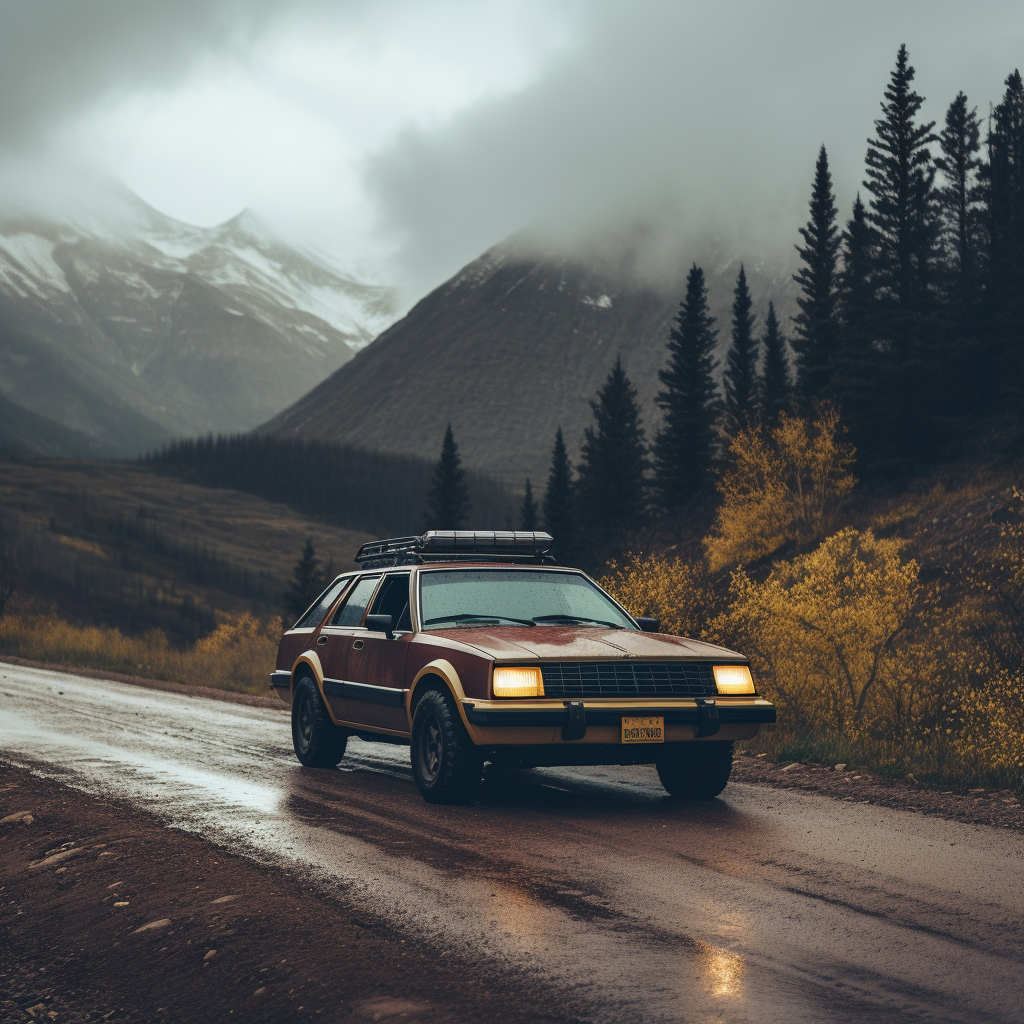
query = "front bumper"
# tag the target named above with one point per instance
(722, 718)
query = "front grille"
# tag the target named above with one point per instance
(627, 679)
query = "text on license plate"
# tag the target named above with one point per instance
(643, 730)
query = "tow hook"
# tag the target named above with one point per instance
(575, 727)
(709, 723)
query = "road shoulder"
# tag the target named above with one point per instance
(104, 914)
(855, 784)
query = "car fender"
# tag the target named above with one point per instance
(444, 670)
(312, 660)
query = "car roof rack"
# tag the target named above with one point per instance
(458, 546)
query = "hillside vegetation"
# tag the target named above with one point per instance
(111, 566)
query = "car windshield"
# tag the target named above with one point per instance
(510, 597)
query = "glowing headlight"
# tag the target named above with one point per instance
(733, 679)
(520, 681)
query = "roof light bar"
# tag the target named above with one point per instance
(458, 545)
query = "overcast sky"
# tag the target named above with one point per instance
(407, 136)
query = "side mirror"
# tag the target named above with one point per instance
(379, 624)
(649, 625)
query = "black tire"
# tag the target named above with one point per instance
(695, 771)
(446, 765)
(318, 742)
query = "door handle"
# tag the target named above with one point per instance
(357, 645)
(321, 640)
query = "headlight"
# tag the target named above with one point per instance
(733, 679)
(520, 681)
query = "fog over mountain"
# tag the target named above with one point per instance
(128, 327)
(617, 143)
(411, 136)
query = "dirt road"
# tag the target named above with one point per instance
(766, 905)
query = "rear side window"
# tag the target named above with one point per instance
(393, 599)
(323, 602)
(351, 612)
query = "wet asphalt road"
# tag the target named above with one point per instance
(763, 906)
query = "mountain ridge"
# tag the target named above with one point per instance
(511, 347)
(129, 327)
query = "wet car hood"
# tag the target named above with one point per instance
(580, 643)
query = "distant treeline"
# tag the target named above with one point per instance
(377, 493)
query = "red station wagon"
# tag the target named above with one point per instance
(476, 647)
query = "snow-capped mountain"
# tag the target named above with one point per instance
(130, 327)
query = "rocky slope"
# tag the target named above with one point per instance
(509, 349)
(127, 327)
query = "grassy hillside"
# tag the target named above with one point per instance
(110, 544)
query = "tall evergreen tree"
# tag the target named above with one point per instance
(306, 583)
(528, 509)
(817, 322)
(559, 506)
(740, 378)
(448, 504)
(1006, 219)
(684, 450)
(900, 177)
(960, 200)
(614, 457)
(856, 363)
(776, 387)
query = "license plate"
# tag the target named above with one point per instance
(643, 730)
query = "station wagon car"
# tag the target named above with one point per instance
(476, 647)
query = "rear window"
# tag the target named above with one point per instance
(317, 611)
(351, 612)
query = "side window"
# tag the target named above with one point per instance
(323, 602)
(393, 599)
(351, 612)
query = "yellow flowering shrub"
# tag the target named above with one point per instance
(664, 588)
(824, 629)
(782, 485)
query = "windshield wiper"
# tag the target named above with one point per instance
(577, 618)
(475, 617)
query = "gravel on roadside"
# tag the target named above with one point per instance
(856, 784)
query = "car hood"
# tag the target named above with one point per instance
(581, 643)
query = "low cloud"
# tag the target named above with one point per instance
(676, 131)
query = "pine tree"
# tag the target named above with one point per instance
(900, 176)
(448, 504)
(776, 387)
(559, 504)
(684, 450)
(1006, 220)
(857, 362)
(817, 322)
(960, 198)
(614, 457)
(740, 376)
(306, 583)
(528, 509)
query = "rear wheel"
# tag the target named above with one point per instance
(695, 771)
(445, 764)
(318, 742)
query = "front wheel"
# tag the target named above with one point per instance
(695, 771)
(318, 742)
(445, 764)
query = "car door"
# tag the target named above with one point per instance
(335, 641)
(375, 673)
